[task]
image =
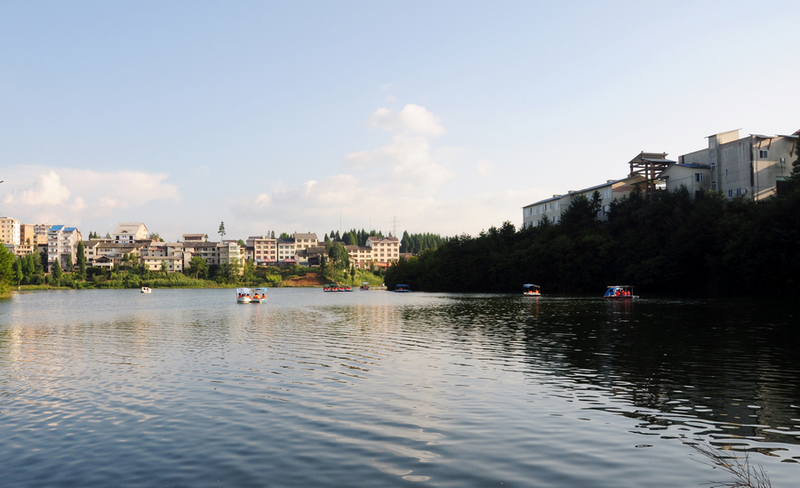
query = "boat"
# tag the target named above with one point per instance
(530, 290)
(259, 295)
(402, 288)
(336, 287)
(364, 285)
(146, 289)
(619, 292)
(251, 295)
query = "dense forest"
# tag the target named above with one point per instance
(666, 244)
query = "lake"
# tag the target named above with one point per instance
(372, 388)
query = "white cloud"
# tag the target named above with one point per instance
(412, 118)
(48, 190)
(71, 196)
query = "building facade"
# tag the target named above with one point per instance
(129, 232)
(552, 208)
(753, 166)
(10, 231)
(62, 244)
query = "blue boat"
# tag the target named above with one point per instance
(619, 292)
(402, 288)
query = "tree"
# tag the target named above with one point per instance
(242, 243)
(221, 230)
(154, 236)
(69, 262)
(81, 261)
(6, 268)
(57, 271)
(17, 270)
(164, 266)
(198, 267)
(284, 235)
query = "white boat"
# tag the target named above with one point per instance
(251, 295)
(145, 290)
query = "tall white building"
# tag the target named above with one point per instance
(62, 244)
(9, 231)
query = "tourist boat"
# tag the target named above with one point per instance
(259, 295)
(619, 292)
(364, 285)
(530, 290)
(402, 288)
(146, 290)
(336, 287)
(251, 295)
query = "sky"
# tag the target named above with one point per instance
(422, 116)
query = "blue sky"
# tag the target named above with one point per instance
(447, 117)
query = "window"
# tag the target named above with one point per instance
(763, 153)
(698, 177)
(738, 191)
(730, 193)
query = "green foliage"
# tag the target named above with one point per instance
(56, 272)
(81, 261)
(7, 274)
(221, 230)
(672, 245)
(198, 268)
(416, 243)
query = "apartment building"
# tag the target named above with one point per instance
(384, 251)
(10, 231)
(106, 253)
(261, 250)
(286, 251)
(215, 253)
(62, 244)
(169, 256)
(129, 232)
(753, 166)
(553, 208)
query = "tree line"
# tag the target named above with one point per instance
(669, 244)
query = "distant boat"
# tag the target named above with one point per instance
(364, 286)
(531, 290)
(402, 288)
(146, 290)
(619, 292)
(251, 295)
(336, 287)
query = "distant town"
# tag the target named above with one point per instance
(132, 241)
(752, 167)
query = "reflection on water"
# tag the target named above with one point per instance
(372, 389)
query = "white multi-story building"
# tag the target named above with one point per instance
(753, 166)
(384, 251)
(9, 231)
(286, 251)
(553, 208)
(129, 232)
(62, 244)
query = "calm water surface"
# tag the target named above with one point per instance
(187, 388)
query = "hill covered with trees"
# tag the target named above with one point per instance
(669, 245)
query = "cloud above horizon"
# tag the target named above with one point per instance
(413, 119)
(70, 196)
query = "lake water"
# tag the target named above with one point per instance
(187, 388)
